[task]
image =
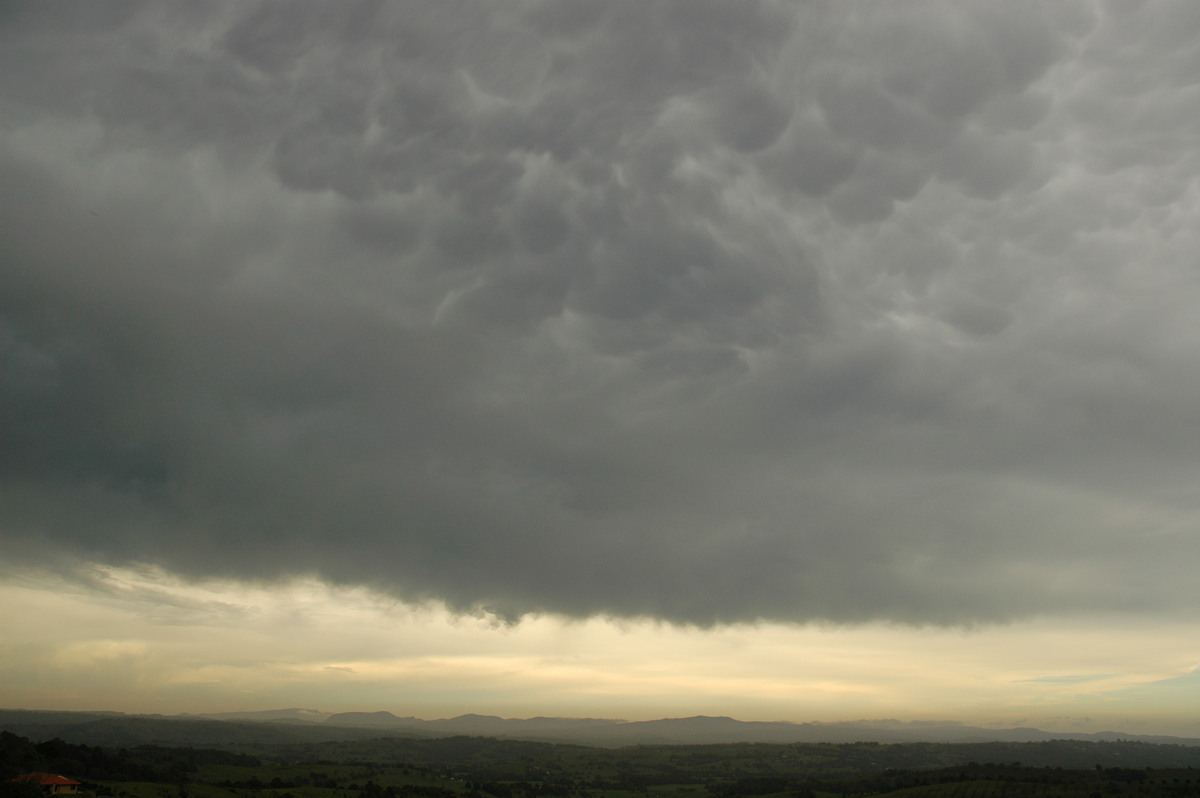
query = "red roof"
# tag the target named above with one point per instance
(46, 779)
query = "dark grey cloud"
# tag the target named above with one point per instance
(701, 311)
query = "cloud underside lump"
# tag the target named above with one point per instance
(707, 312)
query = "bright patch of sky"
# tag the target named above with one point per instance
(144, 641)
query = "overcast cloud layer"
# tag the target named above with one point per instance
(703, 311)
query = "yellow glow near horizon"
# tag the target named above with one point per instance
(141, 640)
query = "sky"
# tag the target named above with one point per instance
(780, 360)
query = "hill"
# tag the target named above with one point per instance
(277, 727)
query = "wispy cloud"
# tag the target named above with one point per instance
(1076, 679)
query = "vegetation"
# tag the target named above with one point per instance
(477, 767)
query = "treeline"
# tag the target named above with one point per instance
(86, 762)
(1026, 780)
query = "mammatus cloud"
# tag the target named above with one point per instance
(706, 312)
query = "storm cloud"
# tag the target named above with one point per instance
(699, 311)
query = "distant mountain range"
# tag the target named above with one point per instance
(705, 729)
(309, 725)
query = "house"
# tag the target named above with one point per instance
(51, 783)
